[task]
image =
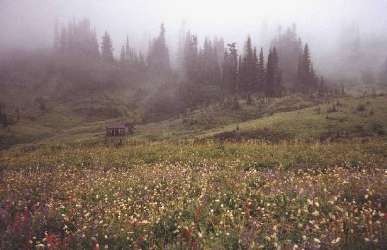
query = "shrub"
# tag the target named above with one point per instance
(361, 108)
(377, 128)
(332, 109)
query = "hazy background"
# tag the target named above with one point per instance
(324, 24)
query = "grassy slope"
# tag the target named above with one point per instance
(285, 118)
(63, 121)
(209, 195)
(203, 193)
(354, 117)
(82, 121)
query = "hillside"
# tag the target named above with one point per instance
(201, 193)
(291, 117)
(295, 173)
(338, 118)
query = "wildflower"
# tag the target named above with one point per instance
(317, 240)
(40, 246)
(335, 241)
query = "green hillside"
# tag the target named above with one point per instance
(339, 118)
(296, 172)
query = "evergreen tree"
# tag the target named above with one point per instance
(219, 49)
(57, 37)
(191, 58)
(273, 75)
(94, 46)
(209, 69)
(307, 79)
(230, 69)
(180, 49)
(289, 46)
(158, 57)
(240, 74)
(107, 49)
(248, 73)
(261, 72)
(123, 60)
(77, 41)
(127, 49)
(321, 87)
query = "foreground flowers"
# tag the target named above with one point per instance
(201, 204)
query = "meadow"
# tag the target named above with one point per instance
(311, 182)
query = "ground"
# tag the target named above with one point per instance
(292, 172)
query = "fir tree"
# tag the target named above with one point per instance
(127, 49)
(57, 37)
(123, 56)
(274, 78)
(158, 57)
(191, 57)
(261, 72)
(289, 46)
(107, 49)
(230, 69)
(248, 73)
(307, 79)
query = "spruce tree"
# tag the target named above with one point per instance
(248, 68)
(158, 57)
(261, 72)
(123, 56)
(289, 46)
(230, 69)
(127, 49)
(57, 37)
(307, 78)
(107, 49)
(273, 75)
(191, 58)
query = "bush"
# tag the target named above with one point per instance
(361, 108)
(332, 109)
(378, 129)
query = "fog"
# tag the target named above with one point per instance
(322, 23)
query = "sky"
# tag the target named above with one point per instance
(29, 23)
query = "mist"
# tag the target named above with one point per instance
(327, 26)
(30, 24)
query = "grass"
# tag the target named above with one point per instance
(290, 178)
(83, 121)
(211, 195)
(285, 154)
(319, 122)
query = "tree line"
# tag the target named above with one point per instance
(207, 71)
(220, 66)
(212, 63)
